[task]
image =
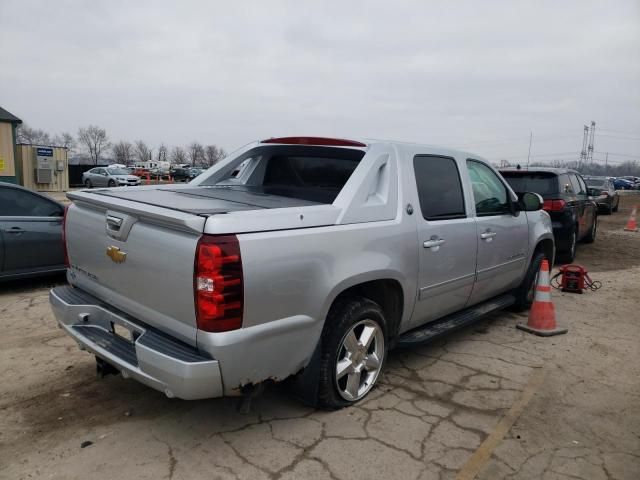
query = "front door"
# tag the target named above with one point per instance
(31, 231)
(502, 233)
(446, 240)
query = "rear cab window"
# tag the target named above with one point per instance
(311, 173)
(439, 187)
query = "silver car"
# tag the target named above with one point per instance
(109, 177)
(30, 233)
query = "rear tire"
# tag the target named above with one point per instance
(525, 292)
(569, 255)
(349, 369)
(615, 209)
(87, 183)
(591, 236)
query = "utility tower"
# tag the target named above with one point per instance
(583, 152)
(592, 134)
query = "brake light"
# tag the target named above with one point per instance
(554, 205)
(218, 284)
(64, 237)
(605, 193)
(332, 142)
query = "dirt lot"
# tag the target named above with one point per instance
(490, 400)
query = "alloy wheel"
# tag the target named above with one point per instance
(359, 360)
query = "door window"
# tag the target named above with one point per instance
(583, 186)
(439, 187)
(18, 203)
(489, 193)
(575, 184)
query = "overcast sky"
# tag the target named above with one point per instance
(474, 75)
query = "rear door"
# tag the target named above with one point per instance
(31, 232)
(502, 233)
(582, 205)
(447, 239)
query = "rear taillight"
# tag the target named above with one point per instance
(605, 193)
(217, 283)
(64, 237)
(554, 205)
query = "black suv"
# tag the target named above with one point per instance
(574, 214)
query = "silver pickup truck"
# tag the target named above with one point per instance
(303, 259)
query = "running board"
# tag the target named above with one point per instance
(455, 321)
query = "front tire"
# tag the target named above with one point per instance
(111, 183)
(354, 349)
(526, 291)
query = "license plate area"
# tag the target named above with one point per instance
(122, 332)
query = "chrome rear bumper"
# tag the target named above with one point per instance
(151, 357)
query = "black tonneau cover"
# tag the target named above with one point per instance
(201, 200)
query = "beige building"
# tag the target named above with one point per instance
(9, 171)
(54, 177)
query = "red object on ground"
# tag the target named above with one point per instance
(542, 316)
(632, 225)
(573, 278)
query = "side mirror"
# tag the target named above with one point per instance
(531, 202)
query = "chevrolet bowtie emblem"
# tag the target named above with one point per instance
(116, 255)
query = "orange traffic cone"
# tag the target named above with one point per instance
(542, 316)
(632, 225)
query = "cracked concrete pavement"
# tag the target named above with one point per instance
(451, 409)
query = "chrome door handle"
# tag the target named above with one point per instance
(433, 243)
(14, 230)
(487, 235)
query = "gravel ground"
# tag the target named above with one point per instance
(488, 402)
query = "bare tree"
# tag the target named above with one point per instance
(213, 154)
(123, 152)
(65, 140)
(178, 155)
(32, 136)
(143, 152)
(95, 140)
(162, 153)
(195, 152)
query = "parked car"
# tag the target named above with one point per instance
(109, 177)
(573, 212)
(604, 193)
(181, 174)
(622, 184)
(634, 180)
(30, 233)
(309, 264)
(194, 172)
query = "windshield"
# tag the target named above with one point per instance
(117, 171)
(541, 183)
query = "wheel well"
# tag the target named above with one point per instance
(546, 246)
(387, 293)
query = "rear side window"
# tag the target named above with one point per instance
(439, 187)
(537, 182)
(565, 184)
(489, 192)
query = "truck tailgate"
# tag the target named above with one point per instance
(144, 266)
